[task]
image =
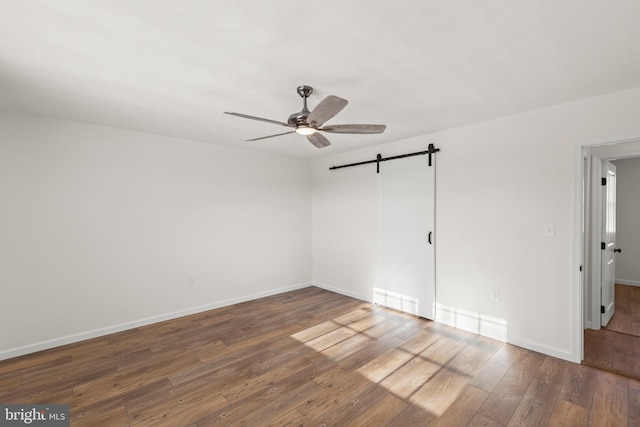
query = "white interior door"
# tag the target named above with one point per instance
(607, 298)
(406, 189)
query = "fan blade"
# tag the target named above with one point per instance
(244, 116)
(354, 128)
(328, 107)
(271, 136)
(318, 140)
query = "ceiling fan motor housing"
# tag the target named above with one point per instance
(299, 119)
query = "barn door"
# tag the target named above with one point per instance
(406, 190)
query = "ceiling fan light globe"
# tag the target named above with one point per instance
(306, 130)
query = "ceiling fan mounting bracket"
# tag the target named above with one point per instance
(305, 91)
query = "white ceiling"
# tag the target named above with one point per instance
(173, 66)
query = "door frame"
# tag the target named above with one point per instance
(593, 282)
(587, 173)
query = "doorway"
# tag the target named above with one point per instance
(603, 346)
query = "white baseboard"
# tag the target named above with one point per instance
(587, 324)
(343, 292)
(69, 339)
(544, 349)
(627, 282)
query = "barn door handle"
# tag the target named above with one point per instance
(617, 250)
(429, 238)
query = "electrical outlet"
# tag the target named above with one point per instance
(495, 295)
(191, 279)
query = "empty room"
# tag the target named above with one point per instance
(244, 213)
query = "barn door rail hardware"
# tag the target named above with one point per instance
(431, 150)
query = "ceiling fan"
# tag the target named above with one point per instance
(309, 123)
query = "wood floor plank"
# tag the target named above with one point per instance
(541, 395)
(598, 348)
(463, 409)
(314, 357)
(176, 410)
(386, 365)
(314, 364)
(413, 416)
(280, 407)
(623, 363)
(112, 416)
(627, 345)
(291, 418)
(567, 414)
(469, 361)
(634, 398)
(255, 402)
(100, 409)
(171, 396)
(346, 348)
(331, 338)
(368, 353)
(316, 331)
(420, 340)
(28, 364)
(610, 401)
(336, 390)
(350, 409)
(408, 378)
(440, 392)
(482, 421)
(505, 398)
(579, 385)
(496, 367)
(381, 413)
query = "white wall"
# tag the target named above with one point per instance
(628, 221)
(100, 228)
(498, 184)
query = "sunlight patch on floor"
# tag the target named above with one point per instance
(329, 339)
(429, 370)
(316, 331)
(408, 378)
(342, 336)
(383, 366)
(437, 394)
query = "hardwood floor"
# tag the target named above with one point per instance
(315, 358)
(613, 351)
(626, 317)
(616, 348)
